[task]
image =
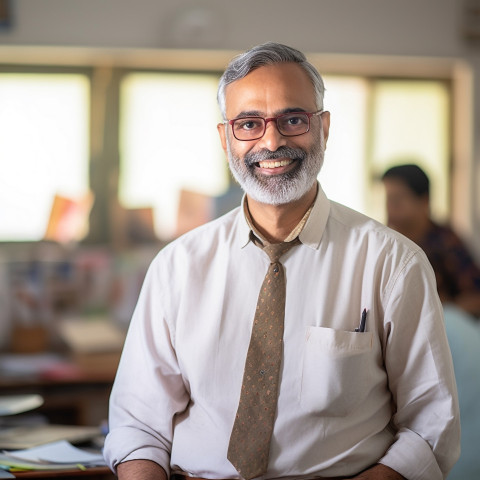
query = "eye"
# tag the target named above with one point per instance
(295, 120)
(248, 123)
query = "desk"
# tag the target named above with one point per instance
(95, 473)
(72, 395)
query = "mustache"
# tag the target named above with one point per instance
(282, 152)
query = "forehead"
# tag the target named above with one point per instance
(271, 89)
(397, 187)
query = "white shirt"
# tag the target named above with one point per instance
(346, 400)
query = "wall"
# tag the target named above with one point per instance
(382, 27)
(409, 27)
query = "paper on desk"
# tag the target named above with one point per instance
(60, 452)
(5, 474)
(13, 464)
(29, 436)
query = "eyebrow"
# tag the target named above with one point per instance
(257, 113)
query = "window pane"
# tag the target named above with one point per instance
(169, 142)
(43, 148)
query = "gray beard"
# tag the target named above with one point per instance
(278, 189)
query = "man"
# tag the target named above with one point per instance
(364, 386)
(407, 189)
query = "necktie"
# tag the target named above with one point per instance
(249, 445)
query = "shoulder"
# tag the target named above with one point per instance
(442, 240)
(204, 240)
(358, 225)
(441, 230)
(373, 244)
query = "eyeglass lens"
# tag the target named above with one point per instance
(289, 125)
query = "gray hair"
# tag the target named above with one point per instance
(269, 53)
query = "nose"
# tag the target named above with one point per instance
(272, 139)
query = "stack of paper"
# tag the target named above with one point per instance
(14, 438)
(52, 456)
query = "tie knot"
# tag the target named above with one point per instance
(276, 250)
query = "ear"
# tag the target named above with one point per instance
(325, 125)
(222, 131)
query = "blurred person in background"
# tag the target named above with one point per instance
(407, 189)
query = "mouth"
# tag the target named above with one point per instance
(281, 161)
(272, 164)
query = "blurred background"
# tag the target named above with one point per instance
(109, 148)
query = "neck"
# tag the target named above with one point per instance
(415, 231)
(275, 222)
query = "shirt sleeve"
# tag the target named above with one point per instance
(149, 389)
(421, 377)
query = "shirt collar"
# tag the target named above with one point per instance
(312, 232)
(311, 226)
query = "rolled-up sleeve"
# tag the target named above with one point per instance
(149, 389)
(421, 376)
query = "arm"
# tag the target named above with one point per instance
(420, 376)
(140, 470)
(148, 389)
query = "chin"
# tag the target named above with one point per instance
(281, 195)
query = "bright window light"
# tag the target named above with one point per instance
(343, 174)
(169, 143)
(44, 122)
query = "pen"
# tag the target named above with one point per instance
(363, 320)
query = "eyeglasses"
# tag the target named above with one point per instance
(288, 124)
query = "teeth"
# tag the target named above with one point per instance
(275, 163)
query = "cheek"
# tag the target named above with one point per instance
(238, 149)
(309, 143)
(401, 209)
(395, 205)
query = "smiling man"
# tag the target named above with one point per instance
(293, 338)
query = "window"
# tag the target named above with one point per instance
(44, 148)
(154, 140)
(410, 124)
(376, 124)
(169, 143)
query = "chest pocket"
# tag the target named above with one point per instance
(336, 371)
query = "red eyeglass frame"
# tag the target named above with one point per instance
(271, 119)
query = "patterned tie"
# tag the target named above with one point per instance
(249, 445)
